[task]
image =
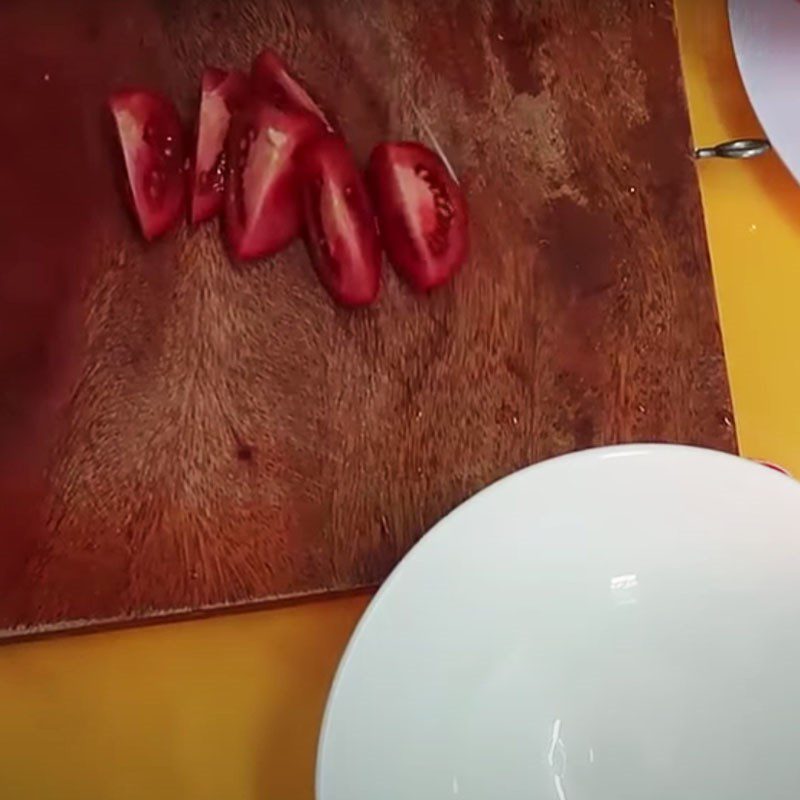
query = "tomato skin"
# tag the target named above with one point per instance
(222, 95)
(151, 137)
(262, 211)
(272, 81)
(341, 230)
(422, 213)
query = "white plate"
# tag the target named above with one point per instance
(766, 39)
(620, 624)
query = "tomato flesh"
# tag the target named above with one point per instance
(222, 94)
(151, 136)
(262, 201)
(422, 213)
(273, 82)
(341, 231)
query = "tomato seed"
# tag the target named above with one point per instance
(155, 184)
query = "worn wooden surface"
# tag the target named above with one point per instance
(177, 434)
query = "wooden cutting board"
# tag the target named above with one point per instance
(181, 434)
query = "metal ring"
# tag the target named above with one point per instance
(736, 148)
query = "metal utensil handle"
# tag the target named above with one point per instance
(736, 148)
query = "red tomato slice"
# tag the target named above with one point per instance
(151, 136)
(272, 82)
(262, 201)
(422, 213)
(341, 231)
(222, 94)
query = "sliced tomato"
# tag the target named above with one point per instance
(223, 93)
(341, 231)
(422, 213)
(272, 81)
(262, 199)
(151, 136)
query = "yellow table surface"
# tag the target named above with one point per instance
(230, 707)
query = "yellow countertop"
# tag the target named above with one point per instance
(230, 707)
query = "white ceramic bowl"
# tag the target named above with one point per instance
(766, 40)
(619, 624)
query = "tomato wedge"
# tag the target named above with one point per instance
(422, 213)
(151, 136)
(262, 201)
(223, 93)
(272, 82)
(341, 231)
